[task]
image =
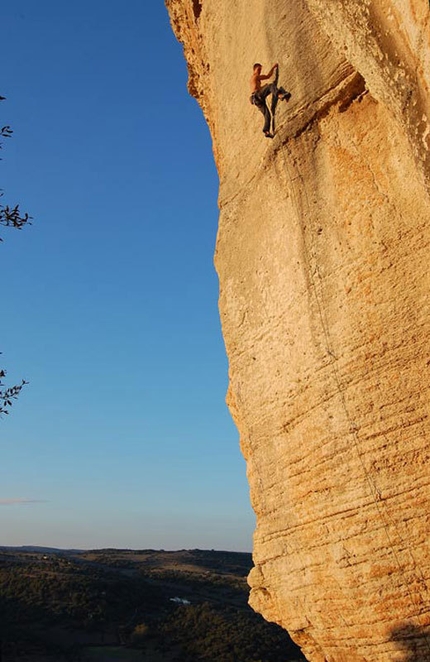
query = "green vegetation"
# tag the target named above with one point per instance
(113, 605)
(214, 632)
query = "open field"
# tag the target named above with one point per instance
(112, 654)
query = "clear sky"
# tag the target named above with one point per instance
(109, 300)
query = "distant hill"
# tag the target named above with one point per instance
(39, 550)
(60, 605)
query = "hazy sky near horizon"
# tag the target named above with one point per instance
(109, 300)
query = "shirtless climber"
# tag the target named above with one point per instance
(259, 94)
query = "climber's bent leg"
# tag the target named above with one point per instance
(259, 100)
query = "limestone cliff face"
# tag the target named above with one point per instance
(323, 261)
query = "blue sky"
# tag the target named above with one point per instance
(109, 300)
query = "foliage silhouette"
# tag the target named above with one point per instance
(10, 217)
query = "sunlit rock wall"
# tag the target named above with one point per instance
(323, 261)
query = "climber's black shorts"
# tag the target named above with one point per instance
(256, 100)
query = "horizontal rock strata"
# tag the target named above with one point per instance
(323, 261)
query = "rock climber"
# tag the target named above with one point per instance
(260, 93)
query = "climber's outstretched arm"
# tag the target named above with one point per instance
(270, 74)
